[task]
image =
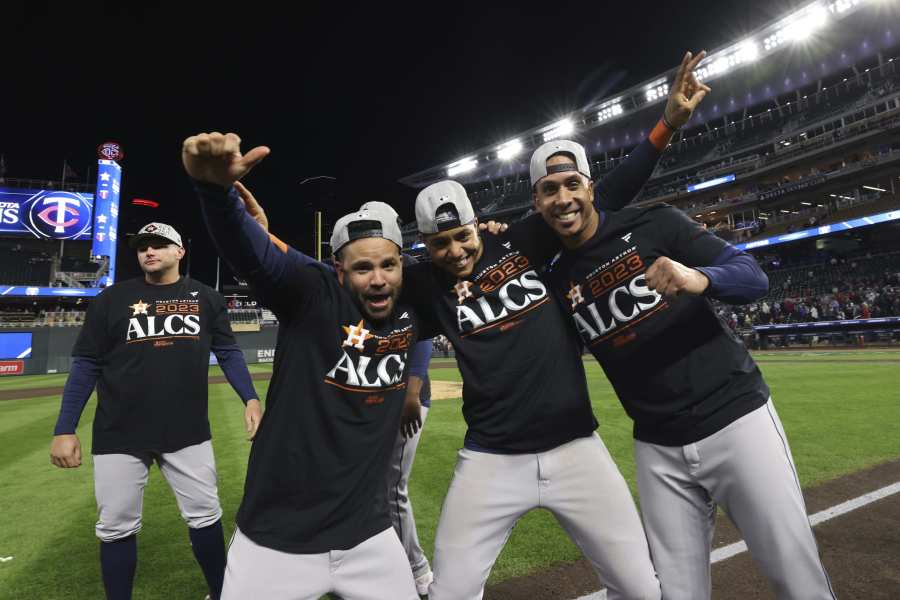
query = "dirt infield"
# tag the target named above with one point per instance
(446, 390)
(860, 550)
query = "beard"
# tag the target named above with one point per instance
(362, 298)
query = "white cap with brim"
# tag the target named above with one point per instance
(365, 224)
(152, 231)
(382, 206)
(443, 205)
(539, 168)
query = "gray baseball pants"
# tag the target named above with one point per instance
(120, 479)
(747, 469)
(402, 457)
(375, 569)
(578, 482)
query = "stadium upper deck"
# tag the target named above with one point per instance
(785, 99)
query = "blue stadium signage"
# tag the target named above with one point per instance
(28, 290)
(45, 214)
(812, 232)
(711, 183)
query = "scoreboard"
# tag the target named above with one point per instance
(45, 214)
(64, 216)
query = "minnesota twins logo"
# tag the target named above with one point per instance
(58, 215)
(356, 336)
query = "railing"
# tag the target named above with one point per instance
(47, 319)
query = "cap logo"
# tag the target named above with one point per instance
(150, 228)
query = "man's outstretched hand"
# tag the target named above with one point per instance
(686, 92)
(216, 158)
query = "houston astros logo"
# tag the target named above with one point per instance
(356, 336)
(575, 295)
(139, 308)
(462, 291)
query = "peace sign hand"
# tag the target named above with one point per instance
(686, 91)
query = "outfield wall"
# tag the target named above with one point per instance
(51, 349)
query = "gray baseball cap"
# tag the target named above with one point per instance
(382, 206)
(443, 205)
(539, 159)
(365, 224)
(152, 231)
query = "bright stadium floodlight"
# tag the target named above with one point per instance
(805, 25)
(749, 52)
(656, 92)
(509, 149)
(461, 166)
(841, 6)
(559, 129)
(873, 188)
(609, 111)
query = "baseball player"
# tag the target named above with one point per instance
(530, 441)
(415, 410)
(145, 344)
(314, 516)
(637, 284)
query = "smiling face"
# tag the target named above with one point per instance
(566, 202)
(371, 270)
(159, 257)
(455, 250)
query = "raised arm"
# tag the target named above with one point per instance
(255, 210)
(622, 184)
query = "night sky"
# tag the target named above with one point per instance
(364, 93)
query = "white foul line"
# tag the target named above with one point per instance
(726, 552)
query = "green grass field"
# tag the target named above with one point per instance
(840, 417)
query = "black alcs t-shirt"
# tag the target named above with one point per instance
(524, 387)
(679, 371)
(315, 481)
(152, 343)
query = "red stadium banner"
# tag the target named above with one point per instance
(12, 367)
